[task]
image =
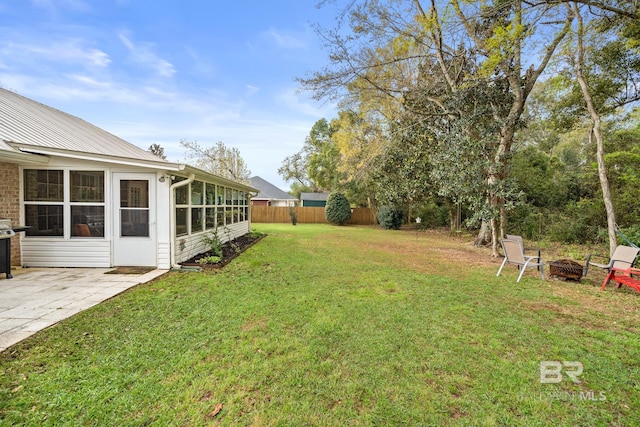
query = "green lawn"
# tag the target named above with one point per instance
(331, 326)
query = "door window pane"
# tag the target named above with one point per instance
(134, 193)
(134, 208)
(134, 223)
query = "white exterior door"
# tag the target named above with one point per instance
(134, 219)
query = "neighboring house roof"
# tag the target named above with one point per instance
(314, 196)
(268, 190)
(28, 126)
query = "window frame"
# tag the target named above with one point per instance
(68, 202)
(220, 206)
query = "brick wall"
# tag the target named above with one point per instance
(10, 202)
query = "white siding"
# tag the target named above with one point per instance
(239, 229)
(164, 257)
(65, 253)
(189, 246)
(163, 233)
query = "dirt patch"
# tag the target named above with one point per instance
(258, 324)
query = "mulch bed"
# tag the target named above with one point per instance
(229, 252)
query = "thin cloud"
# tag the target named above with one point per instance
(282, 40)
(252, 90)
(68, 50)
(199, 65)
(142, 53)
(87, 80)
(53, 6)
(307, 106)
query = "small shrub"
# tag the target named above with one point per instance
(230, 241)
(338, 209)
(209, 260)
(255, 234)
(632, 233)
(433, 215)
(293, 216)
(212, 240)
(389, 218)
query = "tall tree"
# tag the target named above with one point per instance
(158, 151)
(596, 131)
(600, 78)
(315, 166)
(398, 46)
(218, 159)
(619, 92)
(500, 33)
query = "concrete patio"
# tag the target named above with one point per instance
(37, 298)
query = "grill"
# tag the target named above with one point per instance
(6, 233)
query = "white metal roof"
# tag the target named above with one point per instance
(26, 122)
(31, 131)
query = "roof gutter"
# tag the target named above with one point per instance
(24, 158)
(95, 157)
(172, 217)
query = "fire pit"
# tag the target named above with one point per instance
(566, 269)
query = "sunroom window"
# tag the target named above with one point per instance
(51, 194)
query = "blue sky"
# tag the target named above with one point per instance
(158, 71)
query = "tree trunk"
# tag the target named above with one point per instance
(484, 235)
(503, 221)
(596, 132)
(604, 181)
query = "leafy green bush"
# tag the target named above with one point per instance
(209, 260)
(338, 210)
(212, 240)
(253, 234)
(293, 215)
(581, 222)
(632, 233)
(389, 217)
(432, 215)
(528, 221)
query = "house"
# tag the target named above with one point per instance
(270, 195)
(91, 199)
(317, 200)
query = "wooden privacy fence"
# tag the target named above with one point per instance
(307, 215)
